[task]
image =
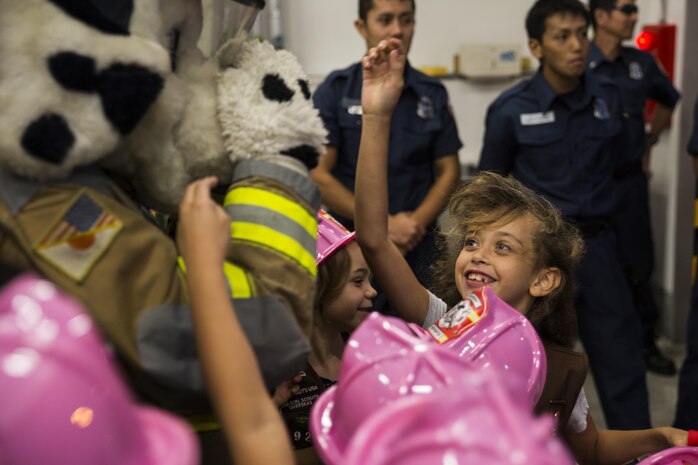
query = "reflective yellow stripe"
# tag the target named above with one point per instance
(274, 240)
(275, 202)
(202, 422)
(237, 279)
(240, 286)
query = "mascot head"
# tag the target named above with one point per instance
(122, 83)
(75, 82)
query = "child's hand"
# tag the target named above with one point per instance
(203, 230)
(674, 437)
(383, 78)
(405, 231)
(287, 389)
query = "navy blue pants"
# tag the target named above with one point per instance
(687, 405)
(610, 331)
(633, 228)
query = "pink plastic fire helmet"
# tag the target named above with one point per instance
(673, 456)
(475, 422)
(490, 334)
(331, 235)
(382, 362)
(62, 400)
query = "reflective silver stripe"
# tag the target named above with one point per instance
(274, 220)
(167, 347)
(299, 183)
(16, 191)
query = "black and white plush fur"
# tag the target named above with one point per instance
(105, 81)
(73, 83)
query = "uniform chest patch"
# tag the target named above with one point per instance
(79, 237)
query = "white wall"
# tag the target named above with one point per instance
(321, 34)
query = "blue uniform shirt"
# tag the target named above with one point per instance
(693, 142)
(423, 130)
(561, 146)
(639, 77)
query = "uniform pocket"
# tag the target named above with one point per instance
(418, 136)
(542, 149)
(601, 142)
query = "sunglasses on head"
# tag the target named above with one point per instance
(627, 9)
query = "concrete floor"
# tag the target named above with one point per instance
(662, 390)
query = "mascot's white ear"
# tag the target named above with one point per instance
(229, 55)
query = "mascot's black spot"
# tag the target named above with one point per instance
(305, 154)
(127, 91)
(275, 88)
(305, 88)
(108, 16)
(49, 138)
(73, 71)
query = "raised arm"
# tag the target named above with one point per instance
(251, 422)
(383, 71)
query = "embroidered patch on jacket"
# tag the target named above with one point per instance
(601, 109)
(635, 71)
(82, 234)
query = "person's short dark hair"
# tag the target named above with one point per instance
(606, 5)
(365, 5)
(544, 9)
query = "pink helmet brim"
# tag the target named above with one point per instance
(673, 456)
(328, 444)
(168, 439)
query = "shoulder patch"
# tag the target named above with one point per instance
(79, 237)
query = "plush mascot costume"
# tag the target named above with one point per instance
(108, 111)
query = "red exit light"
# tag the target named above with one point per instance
(660, 41)
(646, 40)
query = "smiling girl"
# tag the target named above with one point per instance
(509, 239)
(344, 299)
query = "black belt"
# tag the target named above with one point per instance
(628, 170)
(590, 227)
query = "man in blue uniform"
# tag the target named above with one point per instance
(558, 133)
(424, 167)
(639, 77)
(687, 405)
